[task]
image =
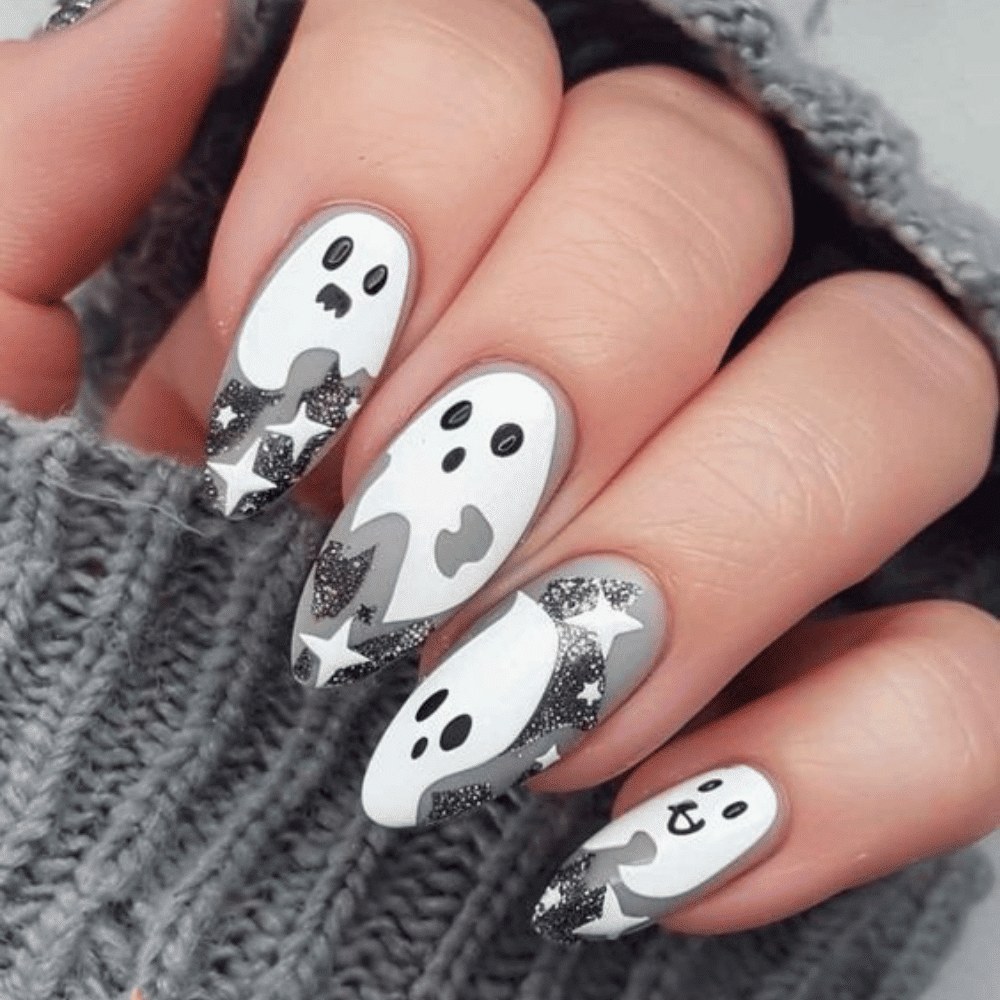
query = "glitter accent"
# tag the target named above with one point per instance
(386, 649)
(580, 663)
(68, 13)
(445, 805)
(577, 905)
(567, 597)
(365, 613)
(274, 460)
(302, 668)
(331, 401)
(355, 672)
(247, 402)
(338, 579)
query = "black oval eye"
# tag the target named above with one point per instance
(375, 279)
(734, 809)
(710, 786)
(340, 249)
(453, 459)
(456, 416)
(456, 732)
(419, 747)
(506, 440)
(431, 705)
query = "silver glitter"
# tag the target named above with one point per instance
(338, 579)
(386, 649)
(458, 801)
(578, 904)
(247, 402)
(328, 403)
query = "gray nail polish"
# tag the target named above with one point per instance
(432, 521)
(525, 684)
(306, 355)
(71, 12)
(663, 853)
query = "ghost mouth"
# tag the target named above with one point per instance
(334, 299)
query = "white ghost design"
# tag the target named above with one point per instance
(468, 711)
(473, 467)
(715, 818)
(298, 306)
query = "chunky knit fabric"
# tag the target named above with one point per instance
(177, 814)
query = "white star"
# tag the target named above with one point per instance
(551, 898)
(591, 693)
(240, 479)
(612, 923)
(301, 429)
(605, 623)
(549, 757)
(334, 653)
(225, 417)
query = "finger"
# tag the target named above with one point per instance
(887, 753)
(775, 488)
(623, 271)
(398, 137)
(80, 163)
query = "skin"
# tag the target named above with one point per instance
(614, 236)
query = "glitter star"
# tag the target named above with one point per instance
(548, 758)
(591, 693)
(300, 429)
(240, 479)
(334, 653)
(612, 923)
(225, 417)
(551, 898)
(606, 623)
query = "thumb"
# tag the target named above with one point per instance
(93, 118)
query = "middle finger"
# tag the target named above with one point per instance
(660, 218)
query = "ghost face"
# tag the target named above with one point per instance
(699, 829)
(460, 718)
(343, 286)
(467, 475)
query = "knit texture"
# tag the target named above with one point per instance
(176, 813)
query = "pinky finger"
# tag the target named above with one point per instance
(882, 748)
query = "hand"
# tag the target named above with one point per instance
(666, 522)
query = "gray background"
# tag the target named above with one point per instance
(934, 64)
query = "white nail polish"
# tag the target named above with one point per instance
(661, 854)
(434, 519)
(306, 355)
(518, 692)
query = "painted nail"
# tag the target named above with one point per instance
(70, 12)
(435, 517)
(660, 855)
(523, 687)
(312, 343)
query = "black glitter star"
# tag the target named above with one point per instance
(338, 579)
(247, 403)
(386, 649)
(329, 401)
(365, 613)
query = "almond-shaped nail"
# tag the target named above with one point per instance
(306, 355)
(673, 848)
(71, 12)
(433, 520)
(527, 681)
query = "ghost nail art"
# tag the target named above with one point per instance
(663, 853)
(312, 343)
(522, 688)
(438, 513)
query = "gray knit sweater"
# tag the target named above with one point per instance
(177, 814)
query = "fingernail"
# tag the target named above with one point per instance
(306, 355)
(526, 683)
(435, 517)
(70, 12)
(660, 855)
